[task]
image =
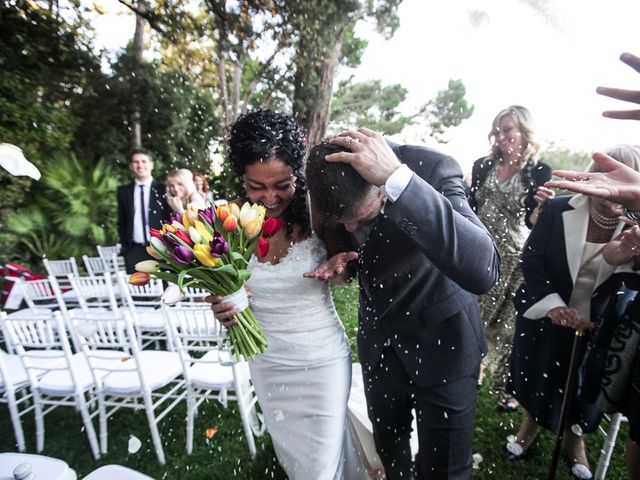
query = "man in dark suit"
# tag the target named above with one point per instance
(141, 206)
(422, 256)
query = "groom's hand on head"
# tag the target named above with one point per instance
(369, 154)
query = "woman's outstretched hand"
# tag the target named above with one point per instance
(616, 182)
(632, 96)
(334, 269)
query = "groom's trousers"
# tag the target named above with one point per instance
(445, 418)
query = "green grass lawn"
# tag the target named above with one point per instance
(225, 456)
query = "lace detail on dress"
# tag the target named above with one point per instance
(296, 313)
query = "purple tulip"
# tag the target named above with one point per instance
(208, 215)
(219, 245)
(170, 240)
(175, 218)
(182, 255)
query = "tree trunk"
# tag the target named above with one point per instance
(312, 99)
(138, 51)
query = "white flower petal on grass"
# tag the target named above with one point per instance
(134, 444)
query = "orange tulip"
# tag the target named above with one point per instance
(230, 223)
(139, 278)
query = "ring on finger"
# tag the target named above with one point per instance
(349, 143)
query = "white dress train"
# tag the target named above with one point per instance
(303, 379)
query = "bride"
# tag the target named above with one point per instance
(303, 379)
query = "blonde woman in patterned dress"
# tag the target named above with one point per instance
(506, 193)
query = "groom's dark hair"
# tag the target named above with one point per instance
(336, 189)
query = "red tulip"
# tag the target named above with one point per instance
(263, 247)
(155, 233)
(184, 236)
(271, 226)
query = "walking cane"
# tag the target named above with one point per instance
(569, 388)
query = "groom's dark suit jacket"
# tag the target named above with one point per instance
(157, 211)
(426, 257)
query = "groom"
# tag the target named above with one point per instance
(422, 257)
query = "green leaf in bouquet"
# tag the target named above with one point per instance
(166, 276)
(235, 256)
(229, 269)
(181, 278)
(244, 275)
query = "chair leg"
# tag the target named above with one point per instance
(153, 427)
(88, 425)
(190, 419)
(15, 419)
(102, 416)
(607, 448)
(39, 418)
(246, 424)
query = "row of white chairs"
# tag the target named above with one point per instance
(108, 260)
(110, 366)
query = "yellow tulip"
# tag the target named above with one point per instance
(261, 211)
(252, 229)
(168, 228)
(203, 254)
(235, 210)
(202, 230)
(189, 217)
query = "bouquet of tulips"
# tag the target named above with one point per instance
(210, 249)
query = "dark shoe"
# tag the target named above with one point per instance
(507, 406)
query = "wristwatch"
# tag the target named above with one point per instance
(631, 215)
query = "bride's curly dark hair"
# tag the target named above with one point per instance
(263, 134)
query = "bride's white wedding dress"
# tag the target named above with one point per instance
(302, 381)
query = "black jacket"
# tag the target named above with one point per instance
(158, 211)
(425, 259)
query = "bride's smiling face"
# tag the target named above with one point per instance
(270, 183)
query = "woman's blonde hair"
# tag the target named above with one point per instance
(627, 154)
(524, 121)
(184, 177)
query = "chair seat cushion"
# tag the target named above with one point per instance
(150, 319)
(158, 368)
(208, 373)
(112, 472)
(14, 369)
(59, 382)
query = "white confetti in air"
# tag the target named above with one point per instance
(134, 444)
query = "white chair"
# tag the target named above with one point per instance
(107, 253)
(56, 376)
(43, 293)
(116, 472)
(610, 436)
(140, 377)
(95, 291)
(143, 302)
(39, 465)
(98, 265)
(209, 370)
(194, 295)
(60, 269)
(14, 391)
